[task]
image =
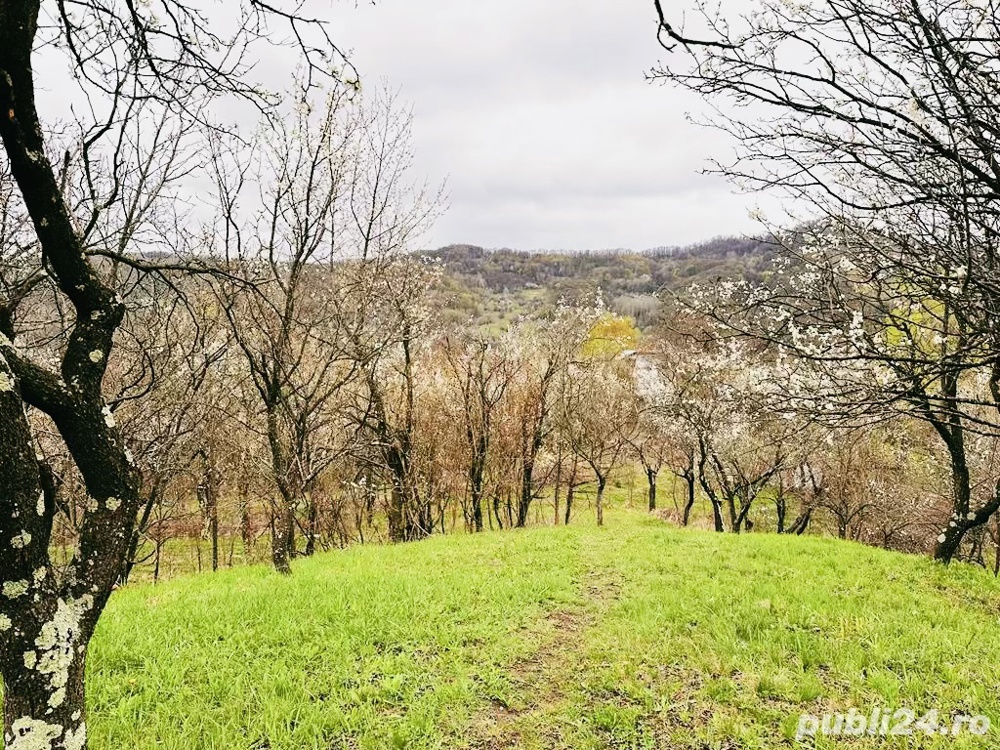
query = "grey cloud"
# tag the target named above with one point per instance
(539, 115)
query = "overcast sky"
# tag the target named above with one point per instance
(538, 115)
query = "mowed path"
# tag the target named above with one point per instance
(529, 713)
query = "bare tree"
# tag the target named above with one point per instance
(285, 314)
(482, 371)
(400, 323)
(545, 350)
(597, 418)
(883, 118)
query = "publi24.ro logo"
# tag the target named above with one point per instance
(888, 722)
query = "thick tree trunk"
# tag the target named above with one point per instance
(477, 477)
(841, 528)
(781, 509)
(731, 507)
(950, 540)
(742, 519)
(720, 525)
(496, 511)
(44, 705)
(713, 496)
(477, 508)
(43, 636)
(800, 524)
(46, 621)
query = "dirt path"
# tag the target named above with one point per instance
(537, 681)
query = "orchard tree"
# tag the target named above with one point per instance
(598, 418)
(883, 119)
(482, 372)
(392, 352)
(285, 313)
(544, 350)
(651, 442)
(167, 399)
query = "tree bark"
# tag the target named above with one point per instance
(47, 616)
(282, 537)
(527, 493)
(651, 492)
(601, 482)
(689, 479)
(37, 714)
(312, 524)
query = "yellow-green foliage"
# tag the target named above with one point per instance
(609, 336)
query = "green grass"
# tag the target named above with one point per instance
(632, 636)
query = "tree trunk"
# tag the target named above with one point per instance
(800, 524)
(133, 548)
(651, 492)
(689, 479)
(312, 525)
(44, 630)
(213, 532)
(601, 481)
(282, 537)
(45, 627)
(246, 528)
(496, 511)
(731, 506)
(527, 494)
(208, 492)
(556, 490)
(720, 526)
(477, 508)
(742, 519)
(44, 705)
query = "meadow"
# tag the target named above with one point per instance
(635, 635)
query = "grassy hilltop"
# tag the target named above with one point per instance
(631, 636)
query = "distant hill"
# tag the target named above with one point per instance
(494, 286)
